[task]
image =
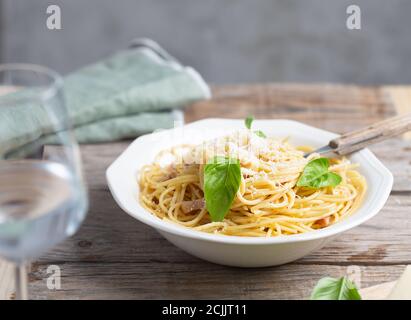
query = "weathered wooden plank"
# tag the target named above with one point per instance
(400, 96)
(97, 158)
(110, 235)
(332, 107)
(165, 280)
(395, 154)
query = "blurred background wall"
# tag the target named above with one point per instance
(228, 41)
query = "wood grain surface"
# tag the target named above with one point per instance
(379, 131)
(114, 256)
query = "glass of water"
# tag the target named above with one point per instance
(43, 198)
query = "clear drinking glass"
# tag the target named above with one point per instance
(43, 198)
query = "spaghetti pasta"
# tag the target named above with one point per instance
(268, 203)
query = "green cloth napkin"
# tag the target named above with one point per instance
(131, 93)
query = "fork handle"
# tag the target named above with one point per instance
(353, 141)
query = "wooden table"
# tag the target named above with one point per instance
(114, 256)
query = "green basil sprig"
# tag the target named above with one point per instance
(260, 134)
(335, 289)
(222, 177)
(316, 175)
(248, 123)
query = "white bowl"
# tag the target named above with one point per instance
(232, 250)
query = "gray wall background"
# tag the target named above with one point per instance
(226, 40)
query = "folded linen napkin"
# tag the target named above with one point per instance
(133, 92)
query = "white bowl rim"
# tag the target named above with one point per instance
(335, 229)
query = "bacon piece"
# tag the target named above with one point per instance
(171, 173)
(324, 222)
(189, 206)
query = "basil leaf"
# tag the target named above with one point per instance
(316, 175)
(335, 289)
(222, 177)
(248, 121)
(260, 134)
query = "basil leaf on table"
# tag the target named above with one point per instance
(248, 122)
(316, 175)
(222, 177)
(335, 289)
